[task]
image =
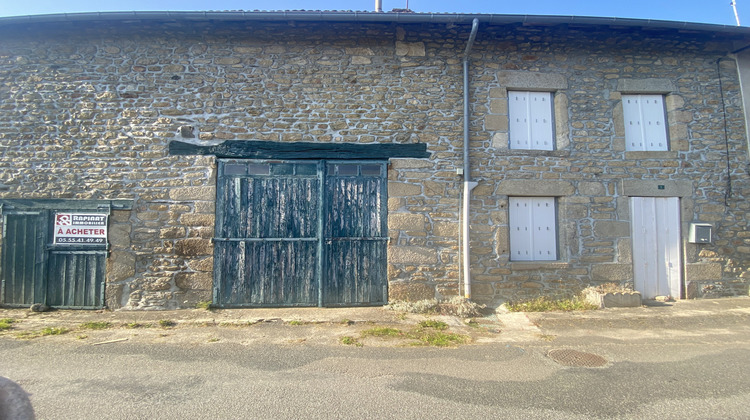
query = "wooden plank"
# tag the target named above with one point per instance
(252, 149)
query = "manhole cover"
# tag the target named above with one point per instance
(568, 357)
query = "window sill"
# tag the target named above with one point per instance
(538, 265)
(662, 154)
(525, 152)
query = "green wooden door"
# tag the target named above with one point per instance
(23, 269)
(36, 271)
(300, 233)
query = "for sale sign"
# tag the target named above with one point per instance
(80, 229)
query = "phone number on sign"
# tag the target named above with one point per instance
(80, 240)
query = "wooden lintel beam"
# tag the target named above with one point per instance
(253, 149)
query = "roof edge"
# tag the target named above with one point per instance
(390, 17)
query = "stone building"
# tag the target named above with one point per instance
(157, 159)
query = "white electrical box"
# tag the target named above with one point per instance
(700, 233)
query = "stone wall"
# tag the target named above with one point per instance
(87, 111)
(594, 219)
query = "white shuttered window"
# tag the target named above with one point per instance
(530, 116)
(645, 122)
(533, 229)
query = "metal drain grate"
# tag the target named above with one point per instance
(568, 357)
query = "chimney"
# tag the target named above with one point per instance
(378, 6)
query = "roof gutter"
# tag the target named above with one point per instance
(469, 185)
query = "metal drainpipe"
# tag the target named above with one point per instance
(468, 183)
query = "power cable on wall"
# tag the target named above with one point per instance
(728, 191)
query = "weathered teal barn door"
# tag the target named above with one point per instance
(266, 244)
(300, 233)
(355, 235)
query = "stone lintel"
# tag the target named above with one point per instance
(645, 86)
(535, 188)
(532, 81)
(651, 188)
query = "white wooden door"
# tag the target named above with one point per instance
(656, 246)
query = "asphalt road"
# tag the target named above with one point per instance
(674, 370)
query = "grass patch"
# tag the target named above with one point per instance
(167, 323)
(213, 340)
(382, 332)
(346, 322)
(134, 325)
(54, 330)
(296, 322)
(6, 323)
(205, 305)
(472, 323)
(95, 325)
(546, 337)
(427, 333)
(41, 333)
(545, 304)
(439, 339)
(431, 323)
(231, 324)
(457, 306)
(350, 341)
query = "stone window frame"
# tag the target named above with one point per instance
(497, 121)
(676, 118)
(566, 230)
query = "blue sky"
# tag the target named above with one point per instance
(705, 11)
